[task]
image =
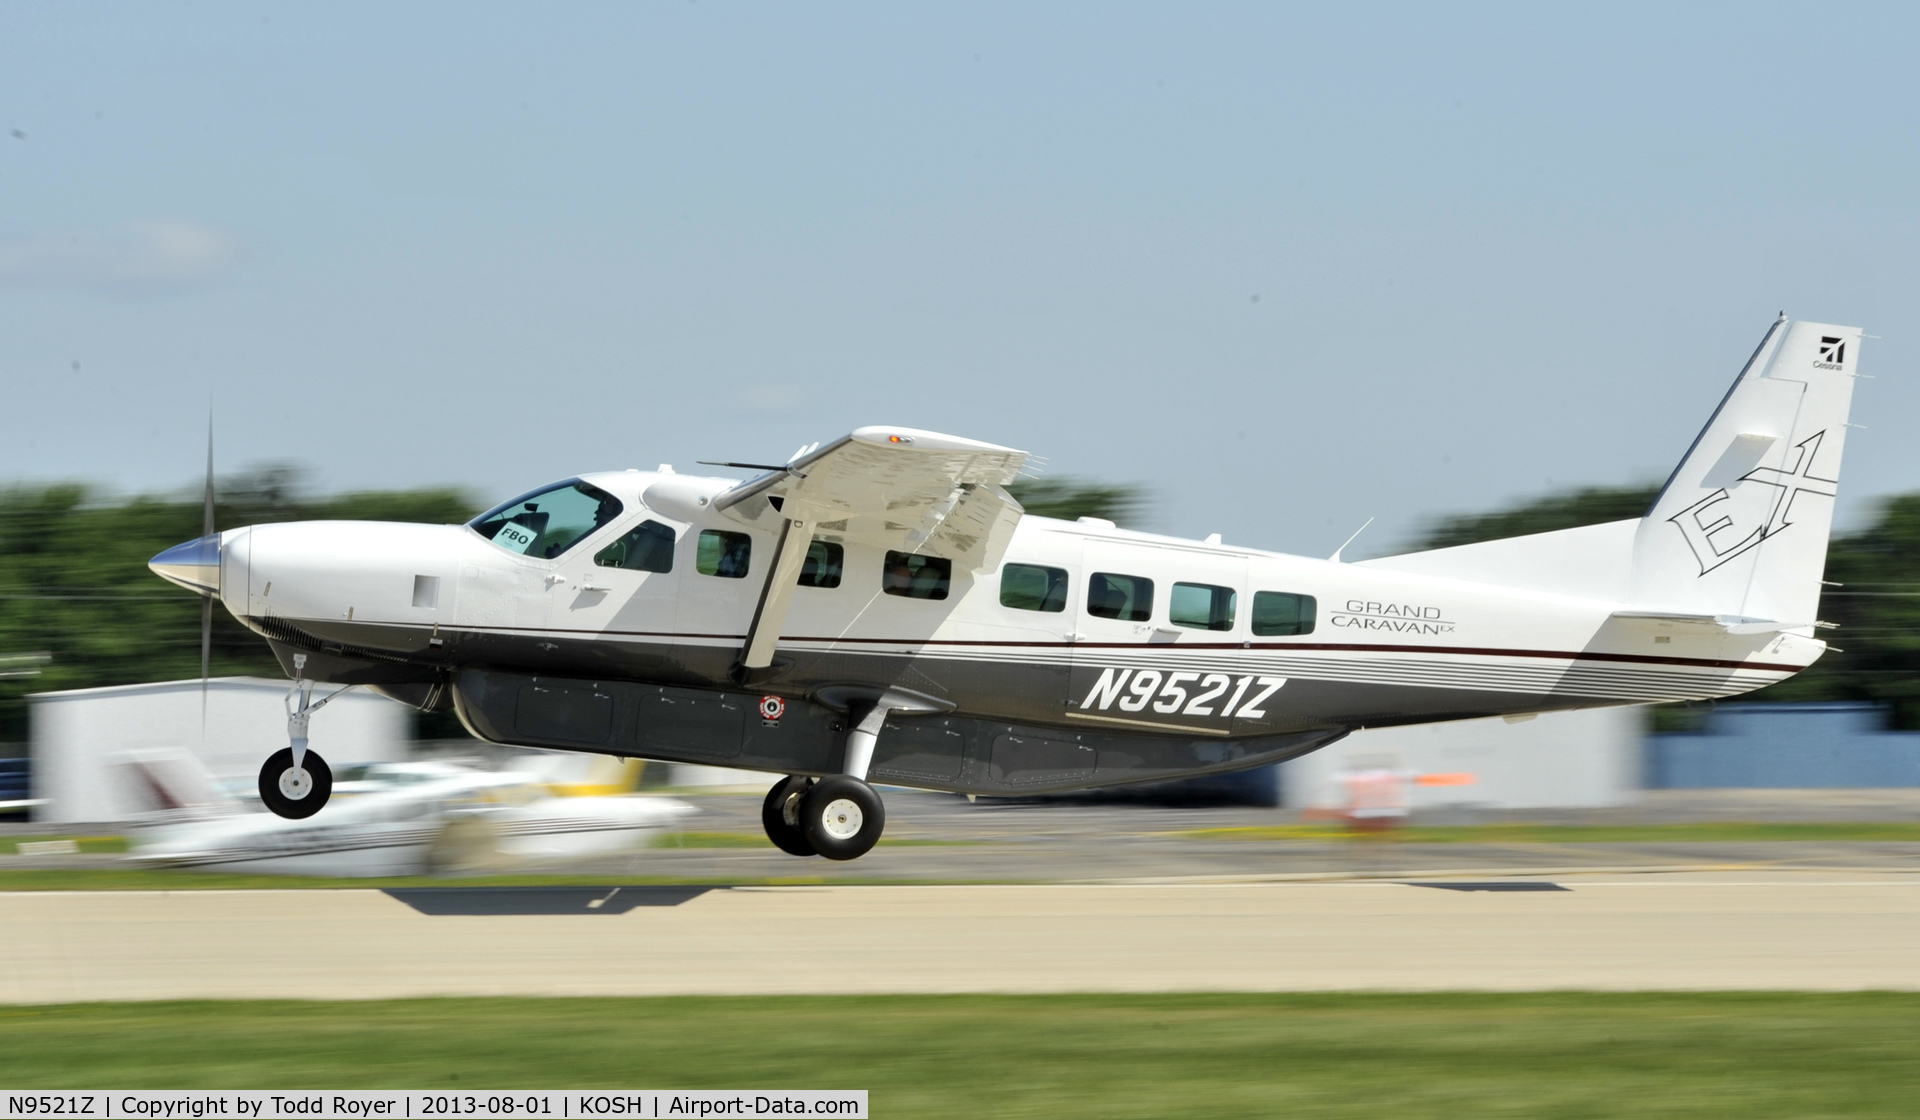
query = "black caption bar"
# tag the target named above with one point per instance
(415, 1104)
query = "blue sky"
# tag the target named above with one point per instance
(1291, 268)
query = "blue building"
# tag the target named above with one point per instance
(1786, 746)
(16, 787)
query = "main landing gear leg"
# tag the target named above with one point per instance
(842, 815)
(839, 816)
(296, 782)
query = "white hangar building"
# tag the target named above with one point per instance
(82, 738)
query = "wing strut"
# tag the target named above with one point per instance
(783, 576)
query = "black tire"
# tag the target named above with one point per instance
(843, 817)
(780, 816)
(307, 804)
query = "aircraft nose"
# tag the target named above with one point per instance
(194, 565)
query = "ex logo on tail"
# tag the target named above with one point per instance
(1718, 527)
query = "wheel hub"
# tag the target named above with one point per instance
(842, 819)
(295, 783)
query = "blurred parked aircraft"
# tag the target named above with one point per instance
(401, 819)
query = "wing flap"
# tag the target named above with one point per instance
(899, 488)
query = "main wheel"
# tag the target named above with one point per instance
(295, 794)
(780, 816)
(842, 817)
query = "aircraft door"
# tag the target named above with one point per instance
(621, 594)
(506, 595)
(1153, 625)
(722, 571)
(1028, 616)
(1114, 596)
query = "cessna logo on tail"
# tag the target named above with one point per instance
(1720, 526)
(1833, 352)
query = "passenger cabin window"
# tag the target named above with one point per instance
(1127, 598)
(723, 554)
(1278, 614)
(1202, 606)
(916, 577)
(1029, 587)
(648, 547)
(822, 565)
(548, 522)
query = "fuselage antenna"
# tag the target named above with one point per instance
(1343, 545)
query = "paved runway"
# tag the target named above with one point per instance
(1805, 930)
(1067, 841)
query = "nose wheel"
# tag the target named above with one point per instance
(295, 783)
(295, 792)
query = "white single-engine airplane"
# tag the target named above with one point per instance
(405, 818)
(879, 609)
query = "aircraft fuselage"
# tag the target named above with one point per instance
(1090, 655)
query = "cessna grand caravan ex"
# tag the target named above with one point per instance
(879, 609)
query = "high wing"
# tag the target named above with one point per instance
(897, 488)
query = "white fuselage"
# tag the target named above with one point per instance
(1384, 646)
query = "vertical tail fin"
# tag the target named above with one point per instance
(1741, 527)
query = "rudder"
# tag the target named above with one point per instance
(1741, 527)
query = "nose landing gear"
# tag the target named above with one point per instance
(295, 790)
(296, 782)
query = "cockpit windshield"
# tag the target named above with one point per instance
(549, 521)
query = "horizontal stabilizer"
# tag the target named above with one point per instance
(1724, 623)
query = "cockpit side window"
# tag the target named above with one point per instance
(648, 548)
(548, 521)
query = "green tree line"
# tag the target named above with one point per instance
(74, 582)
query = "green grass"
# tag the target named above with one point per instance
(711, 840)
(1704, 831)
(1564, 1055)
(10, 845)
